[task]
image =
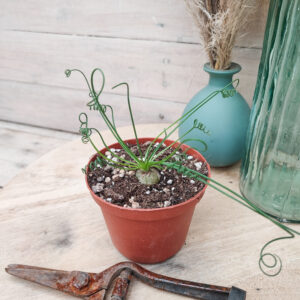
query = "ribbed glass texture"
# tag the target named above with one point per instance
(270, 172)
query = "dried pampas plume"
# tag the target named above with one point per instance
(219, 22)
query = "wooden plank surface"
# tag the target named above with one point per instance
(58, 108)
(158, 70)
(157, 73)
(47, 218)
(21, 145)
(166, 20)
(153, 47)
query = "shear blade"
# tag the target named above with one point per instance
(55, 279)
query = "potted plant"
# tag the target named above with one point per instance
(133, 183)
(146, 203)
(144, 222)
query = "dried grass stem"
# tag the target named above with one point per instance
(219, 22)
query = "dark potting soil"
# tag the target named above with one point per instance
(122, 188)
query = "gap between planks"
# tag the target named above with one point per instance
(124, 38)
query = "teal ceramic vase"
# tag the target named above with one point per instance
(270, 173)
(226, 119)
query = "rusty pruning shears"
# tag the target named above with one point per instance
(95, 286)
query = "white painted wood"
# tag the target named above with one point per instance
(21, 145)
(48, 219)
(158, 70)
(133, 41)
(58, 108)
(166, 20)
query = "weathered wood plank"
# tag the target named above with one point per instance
(158, 70)
(58, 108)
(21, 145)
(166, 20)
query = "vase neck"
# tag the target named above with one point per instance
(221, 78)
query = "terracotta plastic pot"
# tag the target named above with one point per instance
(149, 235)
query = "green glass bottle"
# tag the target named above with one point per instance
(270, 172)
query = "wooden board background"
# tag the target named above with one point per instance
(155, 47)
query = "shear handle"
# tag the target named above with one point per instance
(177, 286)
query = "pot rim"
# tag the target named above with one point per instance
(160, 209)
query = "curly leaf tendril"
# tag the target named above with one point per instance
(228, 93)
(154, 151)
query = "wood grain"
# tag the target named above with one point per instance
(48, 219)
(58, 108)
(166, 20)
(21, 145)
(153, 47)
(158, 70)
